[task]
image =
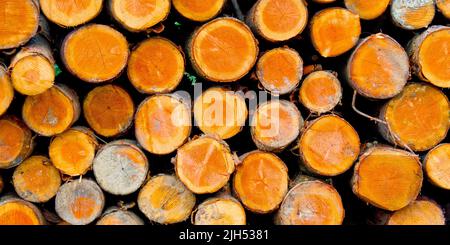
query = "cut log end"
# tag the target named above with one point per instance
(109, 110)
(387, 178)
(79, 202)
(280, 70)
(156, 66)
(120, 167)
(51, 112)
(261, 181)
(311, 202)
(33, 75)
(220, 211)
(36, 179)
(162, 124)
(335, 31)
(223, 50)
(139, 15)
(411, 14)
(15, 211)
(275, 125)
(116, 216)
(419, 212)
(378, 68)
(444, 7)
(437, 166)
(71, 13)
(329, 146)
(73, 151)
(165, 200)
(16, 142)
(7, 95)
(219, 111)
(199, 10)
(367, 10)
(320, 92)
(204, 165)
(417, 118)
(107, 49)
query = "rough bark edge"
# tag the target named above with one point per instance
(425, 162)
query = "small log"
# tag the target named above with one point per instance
(120, 167)
(444, 7)
(36, 179)
(71, 13)
(419, 212)
(51, 112)
(278, 20)
(387, 178)
(32, 68)
(19, 22)
(109, 110)
(280, 70)
(412, 14)
(156, 66)
(275, 124)
(7, 95)
(417, 118)
(378, 67)
(199, 10)
(320, 92)
(367, 10)
(261, 181)
(223, 50)
(95, 53)
(79, 202)
(204, 164)
(163, 123)
(222, 210)
(311, 202)
(118, 216)
(141, 15)
(221, 112)
(329, 146)
(73, 151)
(428, 53)
(437, 166)
(15, 211)
(165, 200)
(334, 31)
(16, 142)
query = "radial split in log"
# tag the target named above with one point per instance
(205, 164)
(139, 15)
(199, 10)
(32, 69)
(429, 54)
(387, 178)
(419, 212)
(36, 179)
(79, 202)
(412, 14)
(367, 10)
(16, 142)
(51, 112)
(164, 199)
(109, 110)
(223, 50)
(261, 181)
(71, 13)
(219, 211)
(7, 89)
(437, 166)
(221, 112)
(117, 216)
(280, 70)
(418, 118)
(275, 125)
(278, 20)
(15, 211)
(334, 31)
(311, 202)
(73, 151)
(329, 146)
(163, 123)
(95, 53)
(18, 23)
(120, 167)
(444, 7)
(378, 68)
(320, 92)
(156, 66)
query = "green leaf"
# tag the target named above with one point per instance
(192, 78)
(57, 70)
(177, 23)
